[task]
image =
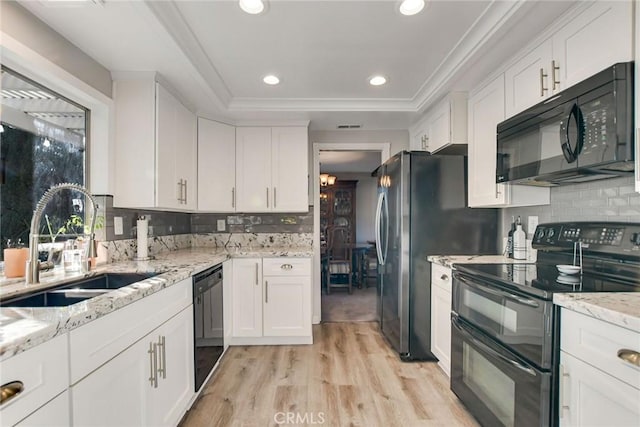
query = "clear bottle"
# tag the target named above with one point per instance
(519, 242)
(510, 238)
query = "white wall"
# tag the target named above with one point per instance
(399, 139)
(366, 190)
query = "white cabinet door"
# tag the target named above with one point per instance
(590, 397)
(253, 169)
(117, 393)
(419, 137)
(247, 297)
(441, 326)
(486, 110)
(168, 189)
(216, 166)
(53, 414)
(287, 306)
(597, 38)
(169, 401)
(185, 153)
(528, 81)
(440, 127)
(290, 166)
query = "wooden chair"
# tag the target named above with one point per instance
(339, 253)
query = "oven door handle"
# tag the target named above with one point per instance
(515, 363)
(524, 301)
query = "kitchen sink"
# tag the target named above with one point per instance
(77, 291)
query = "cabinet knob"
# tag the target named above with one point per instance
(286, 266)
(444, 277)
(629, 356)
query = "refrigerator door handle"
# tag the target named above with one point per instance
(378, 218)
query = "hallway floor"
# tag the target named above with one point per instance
(340, 306)
(348, 377)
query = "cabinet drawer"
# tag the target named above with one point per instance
(43, 371)
(598, 343)
(97, 342)
(441, 276)
(286, 266)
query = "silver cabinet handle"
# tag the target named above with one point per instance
(444, 277)
(267, 196)
(543, 75)
(179, 195)
(629, 356)
(153, 364)
(554, 68)
(275, 201)
(233, 197)
(563, 406)
(286, 267)
(10, 390)
(186, 192)
(256, 274)
(162, 369)
(266, 291)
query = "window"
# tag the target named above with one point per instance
(42, 143)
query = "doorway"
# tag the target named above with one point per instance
(346, 200)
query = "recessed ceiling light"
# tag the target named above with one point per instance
(411, 7)
(253, 7)
(377, 80)
(271, 79)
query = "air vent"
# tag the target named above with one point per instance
(349, 126)
(25, 94)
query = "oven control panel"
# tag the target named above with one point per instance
(612, 237)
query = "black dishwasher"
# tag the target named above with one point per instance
(208, 330)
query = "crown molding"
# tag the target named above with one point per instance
(321, 104)
(171, 19)
(495, 16)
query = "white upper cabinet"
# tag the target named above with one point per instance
(271, 169)
(593, 38)
(443, 125)
(155, 147)
(527, 81)
(486, 110)
(216, 166)
(290, 169)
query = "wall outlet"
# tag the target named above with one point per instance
(532, 223)
(221, 225)
(117, 225)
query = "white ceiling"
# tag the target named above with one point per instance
(215, 55)
(349, 161)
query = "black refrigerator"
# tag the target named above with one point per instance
(422, 210)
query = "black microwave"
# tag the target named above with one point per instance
(583, 133)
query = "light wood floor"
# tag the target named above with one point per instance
(348, 377)
(341, 306)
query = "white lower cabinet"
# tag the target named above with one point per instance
(37, 376)
(271, 301)
(53, 414)
(597, 386)
(150, 383)
(441, 315)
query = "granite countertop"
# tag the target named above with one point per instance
(450, 260)
(619, 308)
(23, 328)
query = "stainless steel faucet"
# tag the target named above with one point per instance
(33, 264)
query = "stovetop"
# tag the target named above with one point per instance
(543, 280)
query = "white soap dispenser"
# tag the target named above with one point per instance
(519, 242)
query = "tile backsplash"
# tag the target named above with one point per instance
(607, 200)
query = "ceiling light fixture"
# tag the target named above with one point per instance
(271, 79)
(252, 7)
(377, 80)
(411, 7)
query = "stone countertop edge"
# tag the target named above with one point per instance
(619, 308)
(24, 328)
(450, 260)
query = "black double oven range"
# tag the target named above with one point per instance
(505, 329)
